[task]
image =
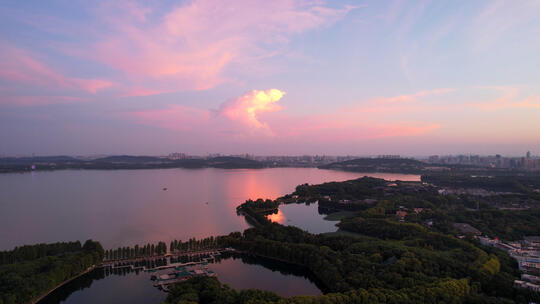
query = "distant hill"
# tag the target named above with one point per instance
(38, 159)
(394, 165)
(22, 164)
(406, 166)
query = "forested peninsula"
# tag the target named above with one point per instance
(379, 256)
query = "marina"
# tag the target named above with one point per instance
(123, 282)
(198, 266)
(180, 274)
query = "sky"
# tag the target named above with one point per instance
(283, 77)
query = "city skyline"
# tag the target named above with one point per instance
(433, 158)
(286, 77)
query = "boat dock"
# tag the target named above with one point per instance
(129, 263)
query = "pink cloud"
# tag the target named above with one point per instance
(191, 45)
(343, 126)
(177, 117)
(39, 100)
(246, 108)
(237, 116)
(241, 120)
(512, 97)
(139, 91)
(18, 66)
(530, 102)
(90, 85)
(505, 97)
(412, 97)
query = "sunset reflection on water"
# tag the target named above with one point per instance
(128, 207)
(252, 184)
(278, 217)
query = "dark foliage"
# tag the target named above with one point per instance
(34, 273)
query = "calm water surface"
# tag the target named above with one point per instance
(131, 287)
(306, 217)
(128, 207)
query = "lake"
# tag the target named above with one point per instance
(306, 217)
(128, 207)
(238, 271)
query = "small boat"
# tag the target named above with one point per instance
(164, 189)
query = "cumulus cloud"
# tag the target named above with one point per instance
(237, 117)
(246, 108)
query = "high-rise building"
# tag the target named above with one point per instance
(177, 156)
(528, 154)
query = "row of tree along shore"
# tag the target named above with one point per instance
(152, 250)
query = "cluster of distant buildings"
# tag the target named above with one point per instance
(527, 162)
(527, 254)
(307, 160)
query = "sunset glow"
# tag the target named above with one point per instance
(269, 151)
(203, 76)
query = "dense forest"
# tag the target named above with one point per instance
(521, 183)
(416, 267)
(503, 224)
(32, 252)
(377, 198)
(28, 272)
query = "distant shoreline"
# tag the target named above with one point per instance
(125, 162)
(48, 169)
(362, 165)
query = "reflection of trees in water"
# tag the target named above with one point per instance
(82, 282)
(86, 280)
(328, 208)
(283, 268)
(325, 211)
